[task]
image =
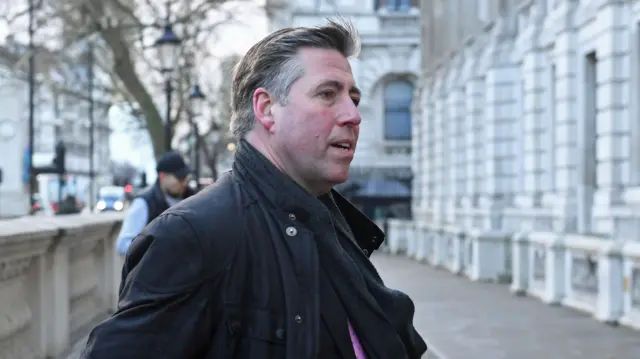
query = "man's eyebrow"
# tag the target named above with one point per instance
(337, 84)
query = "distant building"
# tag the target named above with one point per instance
(61, 113)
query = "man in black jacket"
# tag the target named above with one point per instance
(269, 262)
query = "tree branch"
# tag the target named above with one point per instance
(122, 33)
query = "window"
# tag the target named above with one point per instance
(397, 110)
(587, 143)
(395, 5)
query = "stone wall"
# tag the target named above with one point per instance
(529, 144)
(58, 275)
(535, 109)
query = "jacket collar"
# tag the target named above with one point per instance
(287, 195)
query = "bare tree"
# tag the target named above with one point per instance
(123, 33)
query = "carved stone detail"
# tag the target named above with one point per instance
(14, 268)
(15, 318)
(19, 347)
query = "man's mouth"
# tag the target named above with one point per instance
(342, 145)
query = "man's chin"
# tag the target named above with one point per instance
(339, 178)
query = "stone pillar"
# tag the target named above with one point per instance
(456, 109)
(613, 128)
(58, 279)
(474, 130)
(501, 151)
(534, 129)
(560, 36)
(427, 157)
(440, 148)
(416, 153)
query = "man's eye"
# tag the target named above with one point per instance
(327, 95)
(356, 100)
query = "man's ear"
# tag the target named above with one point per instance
(263, 108)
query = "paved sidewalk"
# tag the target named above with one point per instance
(461, 319)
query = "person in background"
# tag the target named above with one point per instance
(69, 205)
(170, 188)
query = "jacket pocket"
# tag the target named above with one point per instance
(258, 334)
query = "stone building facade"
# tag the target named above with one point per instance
(526, 150)
(526, 116)
(386, 71)
(61, 112)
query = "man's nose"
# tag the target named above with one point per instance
(350, 115)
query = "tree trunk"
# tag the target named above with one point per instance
(211, 154)
(124, 68)
(213, 166)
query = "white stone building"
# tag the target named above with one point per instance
(61, 113)
(527, 149)
(13, 139)
(386, 71)
(528, 115)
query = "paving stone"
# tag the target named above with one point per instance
(461, 319)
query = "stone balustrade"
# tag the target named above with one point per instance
(597, 275)
(630, 262)
(58, 276)
(402, 229)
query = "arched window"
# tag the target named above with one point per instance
(397, 110)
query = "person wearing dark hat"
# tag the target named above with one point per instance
(170, 188)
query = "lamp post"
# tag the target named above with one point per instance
(90, 85)
(196, 97)
(32, 70)
(168, 45)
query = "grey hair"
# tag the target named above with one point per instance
(273, 64)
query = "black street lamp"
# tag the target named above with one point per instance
(197, 100)
(196, 97)
(92, 125)
(32, 69)
(168, 45)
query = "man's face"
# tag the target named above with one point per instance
(316, 132)
(172, 185)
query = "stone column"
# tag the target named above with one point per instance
(417, 128)
(454, 136)
(474, 130)
(561, 37)
(428, 158)
(440, 147)
(612, 129)
(499, 125)
(534, 129)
